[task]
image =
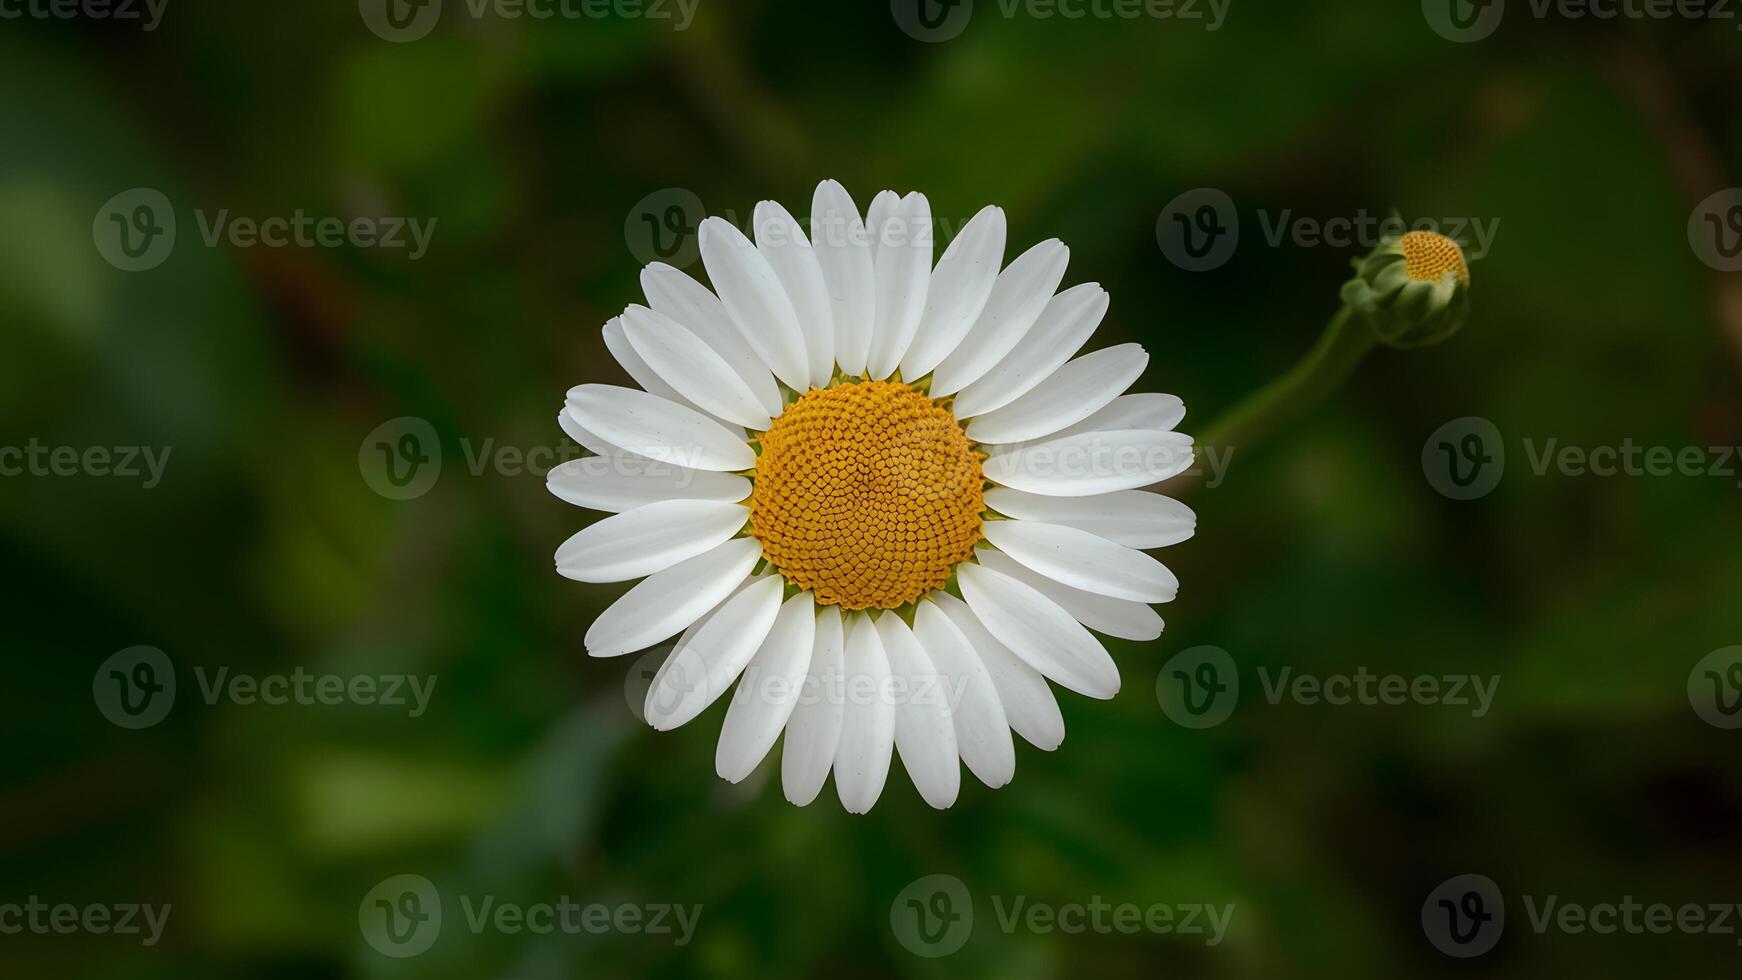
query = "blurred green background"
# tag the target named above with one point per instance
(539, 146)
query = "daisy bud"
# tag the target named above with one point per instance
(1412, 291)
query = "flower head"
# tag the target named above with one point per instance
(875, 492)
(1413, 290)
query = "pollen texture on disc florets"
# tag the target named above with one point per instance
(867, 494)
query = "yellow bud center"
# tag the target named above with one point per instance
(866, 494)
(1428, 256)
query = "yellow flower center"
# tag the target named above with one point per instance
(1428, 256)
(866, 494)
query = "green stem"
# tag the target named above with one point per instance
(1339, 349)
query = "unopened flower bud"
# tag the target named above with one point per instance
(1412, 291)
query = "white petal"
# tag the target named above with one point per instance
(880, 208)
(982, 730)
(1024, 695)
(617, 342)
(1018, 298)
(1038, 631)
(757, 303)
(768, 690)
(662, 605)
(690, 303)
(623, 482)
(794, 262)
(1133, 518)
(1084, 561)
(868, 721)
(589, 441)
(1074, 392)
(692, 368)
(1115, 617)
(814, 730)
(699, 670)
(651, 426)
(648, 539)
(844, 251)
(959, 287)
(903, 267)
(692, 629)
(925, 727)
(1144, 410)
(1092, 462)
(1063, 328)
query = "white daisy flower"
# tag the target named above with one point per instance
(880, 492)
